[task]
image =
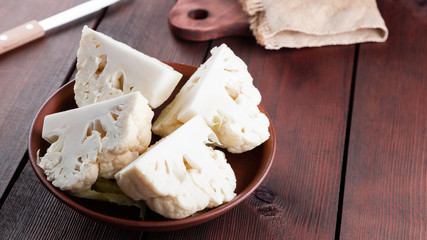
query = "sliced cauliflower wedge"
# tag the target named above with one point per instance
(222, 92)
(107, 68)
(96, 140)
(181, 174)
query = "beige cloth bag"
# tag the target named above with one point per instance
(313, 23)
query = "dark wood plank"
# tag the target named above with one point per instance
(386, 183)
(306, 92)
(31, 212)
(30, 74)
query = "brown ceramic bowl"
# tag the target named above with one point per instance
(250, 169)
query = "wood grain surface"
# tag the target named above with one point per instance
(37, 214)
(30, 74)
(386, 184)
(309, 94)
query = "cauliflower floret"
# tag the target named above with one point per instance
(95, 140)
(108, 68)
(221, 91)
(180, 174)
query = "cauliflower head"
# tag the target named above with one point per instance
(96, 140)
(107, 68)
(222, 92)
(180, 174)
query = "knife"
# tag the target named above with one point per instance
(33, 30)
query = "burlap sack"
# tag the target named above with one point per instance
(313, 23)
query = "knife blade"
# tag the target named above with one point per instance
(34, 29)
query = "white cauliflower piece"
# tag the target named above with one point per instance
(180, 174)
(221, 91)
(96, 140)
(108, 68)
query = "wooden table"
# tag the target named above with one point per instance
(351, 126)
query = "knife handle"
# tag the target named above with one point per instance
(20, 35)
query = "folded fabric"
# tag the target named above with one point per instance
(313, 23)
